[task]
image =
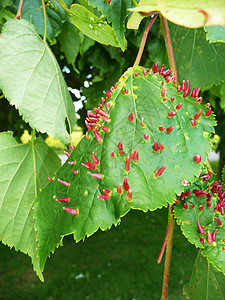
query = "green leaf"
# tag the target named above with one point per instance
(92, 26)
(222, 93)
(189, 15)
(135, 20)
(56, 16)
(32, 80)
(198, 60)
(215, 34)
(198, 209)
(69, 40)
(115, 13)
(24, 169)
(149, 192)
(86, 43)
(5, 3)
(206, 281)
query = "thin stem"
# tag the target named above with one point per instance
(33, 136)
(168, 256)
(209, 165)
(135, 2)
(2, 96)
(169, 48)
(63, 5)
(140, 52)
(165, 241)
(45, 20)
(19, 11)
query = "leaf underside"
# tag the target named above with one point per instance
(39, 90)
(211, 12)
(149, 192)
(206, 282)
(24, 169)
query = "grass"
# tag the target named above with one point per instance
(119, 264)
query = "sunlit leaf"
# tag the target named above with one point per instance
(24, 169)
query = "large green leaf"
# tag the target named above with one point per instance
(192, 14)
(69, 40)
(24, 169)
(206, 282)
(198, 60)
(56, 15)
(150, 192)
(116, 13)
(32, 80)
(208, 215)
(92, 26)
(215, 34)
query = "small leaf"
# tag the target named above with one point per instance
(92, 26)
(189, 15)
(202, 63)
(135, 20)
(215, 34)
(39, 90)
(69, 40)
(115, 13)
(136, 108)
(56, 15)
(206, 281)
(24, 169)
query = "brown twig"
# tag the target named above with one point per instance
(19, 11)
(164, 242)
(140, 52)
(169, 48)
(168, 256)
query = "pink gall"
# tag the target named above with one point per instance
(72, 211)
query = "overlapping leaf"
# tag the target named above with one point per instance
(70, 42)
(92, 26)
(24, 169)
(197, 59)
(192, 14)
(206, 281)
(215, 34)
(32, 80)
(56, 15)
(138, 93)
(206, 211)
(116, 13)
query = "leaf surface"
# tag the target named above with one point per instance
(206, 281)
(198, 60)
(144, 100)
(194, 14)
(39, 90)
(92, 26)
(56, 16)
(69, 40)
(116, 13)
(24, 169)
(198, 209)
(215, 34)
